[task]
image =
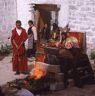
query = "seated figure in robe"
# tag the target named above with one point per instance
(67, 41)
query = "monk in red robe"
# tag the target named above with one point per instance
(19, 60)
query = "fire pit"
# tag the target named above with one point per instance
(38, 81)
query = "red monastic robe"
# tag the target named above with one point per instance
(19, 59)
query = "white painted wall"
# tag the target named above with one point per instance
(82, 19)
(63, 19)
(24, 14)
(7, 19)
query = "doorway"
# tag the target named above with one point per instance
(44, 18)
(44, 15)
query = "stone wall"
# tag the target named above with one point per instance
(82, 19)
(8, 16)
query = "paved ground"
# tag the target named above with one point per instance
(88, 90)
(6, 73)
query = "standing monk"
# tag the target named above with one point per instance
(19, 60)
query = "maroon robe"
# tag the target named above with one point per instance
(19, 59)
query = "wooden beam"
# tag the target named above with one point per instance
(47, 7)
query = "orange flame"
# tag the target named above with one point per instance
(38, 71)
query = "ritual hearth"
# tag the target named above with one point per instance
(42, 78)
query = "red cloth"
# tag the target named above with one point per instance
(19, 59)
(79, 36)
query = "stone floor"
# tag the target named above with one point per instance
(88, 90)
(6, 73)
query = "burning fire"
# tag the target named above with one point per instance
(38, 71)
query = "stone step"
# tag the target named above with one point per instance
(48, 67)
(60, 85)
(59, 77)
(71, 82)
(57, 86)
(93, 65)
(93, 70)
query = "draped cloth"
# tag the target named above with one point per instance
(80, 37)
(30, 38)
(30, 42)
(19, 59)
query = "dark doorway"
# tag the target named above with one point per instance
(45, 13)
(44, 16)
